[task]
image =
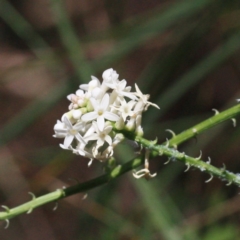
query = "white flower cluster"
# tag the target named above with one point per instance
(97, 113)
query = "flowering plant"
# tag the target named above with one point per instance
(100, 116)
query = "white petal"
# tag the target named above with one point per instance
(107, 129)
(114, 76)
(131, 104)
(139, 106)
(100, 122)
(97, 93)
(91, 137)
(111, 116)
(94, 103)
(80, 138)
(128, 89)
(138, 90)
(89, 116)
(100, 142)
(84, 86)
(95, 126)
(67, 122)
(63, 146)
(154, 105)
(107, 74)
(80, 93)
(59, 126)
(122, 84)
(68, 140)
(105, 101)
(69, 97)
(94, 78)
(61, 131)
(89, 131)
(129, 95)
(79, 126)
(111, 85)
(59, 135)
(94, 83)
(108, 139)
(138, 120)
(76, 114)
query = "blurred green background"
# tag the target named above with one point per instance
(186, 54)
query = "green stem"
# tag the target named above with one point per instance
(173, 154)
(230, 113)
(29, 206)
(66, 192)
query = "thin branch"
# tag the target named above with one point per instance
(222, 173)
(66, 192)
(205, 125)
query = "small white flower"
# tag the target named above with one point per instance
(60, 129)
(97, 93)
(126, 108)
(100, 112)
(72, 132)
(77, 100)
(109, 75)
(108, 152)
(144, 98)
(120, 88)
(91, 85)
(76, 113)
(79, 150)
(135, 121)
(100, 135)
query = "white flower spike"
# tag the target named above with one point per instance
(98, 113)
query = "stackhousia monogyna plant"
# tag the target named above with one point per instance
(100, 116)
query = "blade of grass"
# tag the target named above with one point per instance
(22, 28)
(71, 41)
(31, 113)
(156, 25)
(28, 115)
(165, 212)
(194, 75)
(156, 210)
(110, 218)
(185, 40)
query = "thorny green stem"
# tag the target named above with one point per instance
(207, 124)
(66, 192)
(222, 173)
(166, 149)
